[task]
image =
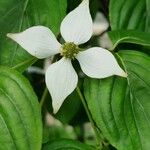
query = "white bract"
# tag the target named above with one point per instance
(76, 28)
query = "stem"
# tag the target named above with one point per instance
(98, 139)
(43, 97)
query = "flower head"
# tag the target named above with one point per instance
(76, 29)
(70, 50)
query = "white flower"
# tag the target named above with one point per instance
(76, 29)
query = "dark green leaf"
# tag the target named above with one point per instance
(127, 14)
(20, 118)
(120, 107)
(66, 144)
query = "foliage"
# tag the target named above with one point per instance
(117, 108)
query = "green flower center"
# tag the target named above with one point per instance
(69, 50)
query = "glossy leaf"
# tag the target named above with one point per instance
(19, 15)
(121, 36)
(66, 144)
(127, 14)
(120, 107)
(20, 118)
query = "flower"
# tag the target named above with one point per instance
(76, 29)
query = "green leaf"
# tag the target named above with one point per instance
(20, 118)
(66, 144)
(120, 107)
(135, 37)
(127, 14)
(19, 15)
